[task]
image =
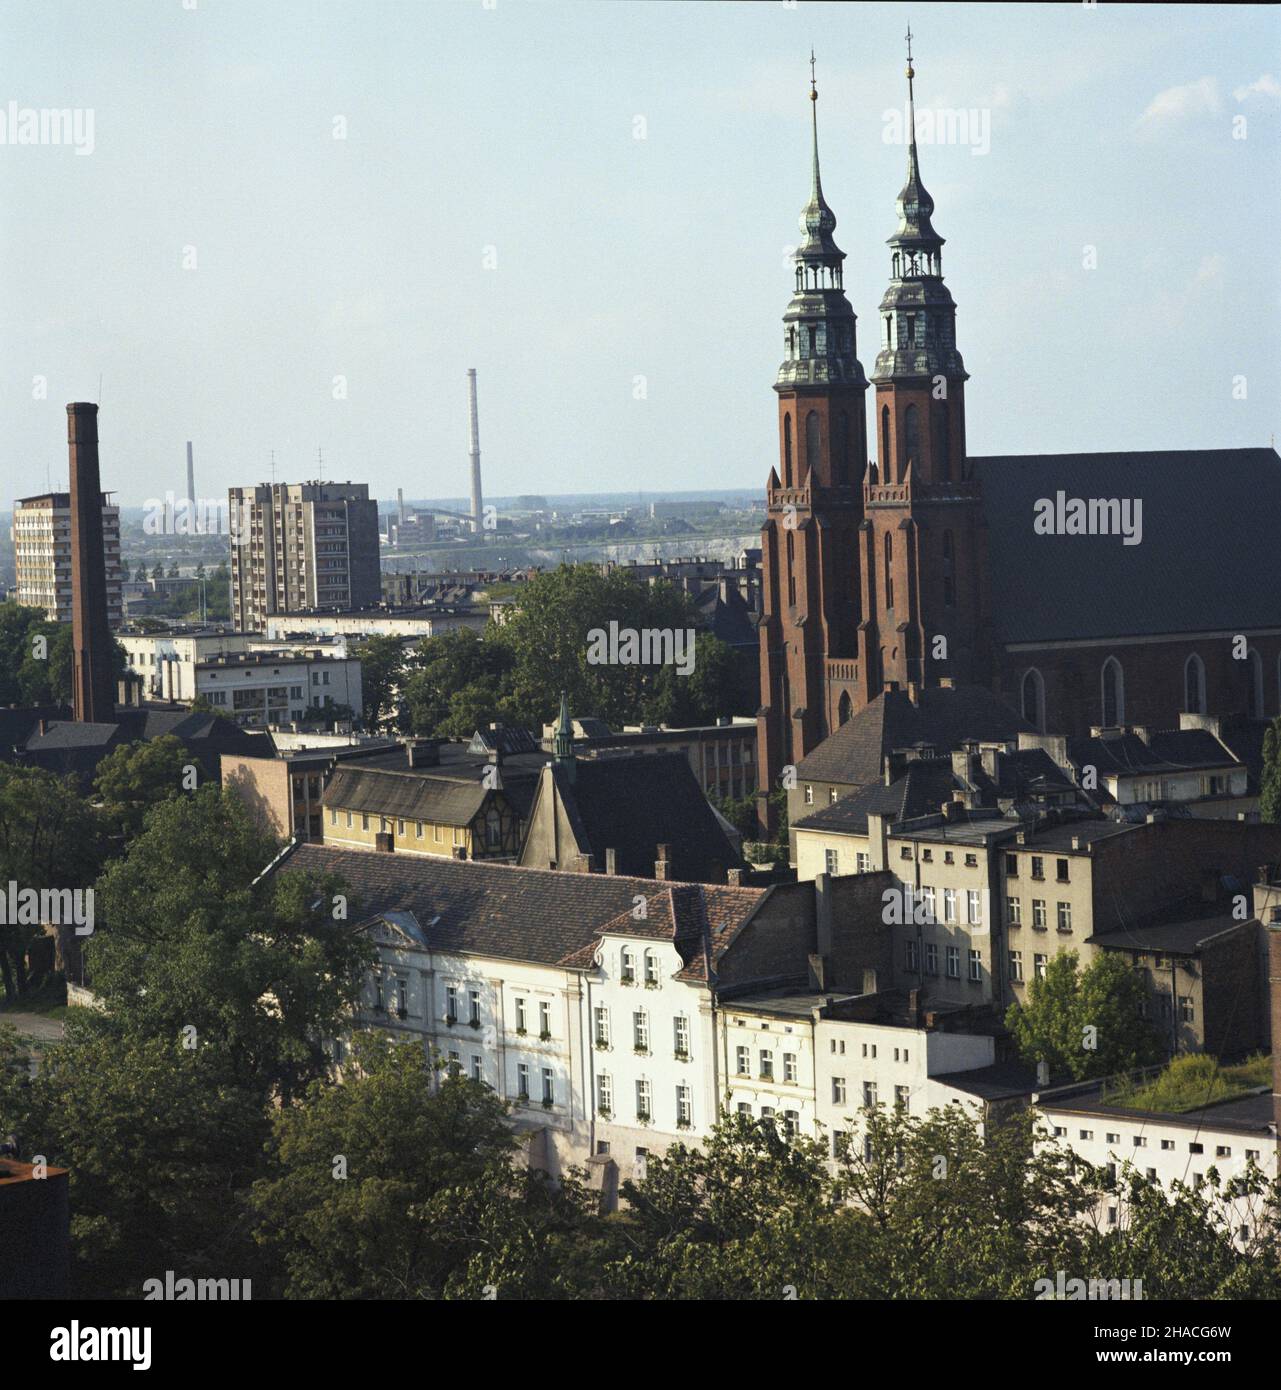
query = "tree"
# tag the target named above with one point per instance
(1270, 779)
(382, 667)
(48, 840)
(136, 776)
(196, 945)
(162, 1149)
(394, 1185)
(1088, 1022)
(140, 575)
(457, 677)
(159, 571)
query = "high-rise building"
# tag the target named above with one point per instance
(41, 535)
(297, 547)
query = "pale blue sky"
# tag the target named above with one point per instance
(512, 127)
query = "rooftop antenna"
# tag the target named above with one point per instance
(273, 468)
(320, 464)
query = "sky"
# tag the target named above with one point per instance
(592, 203)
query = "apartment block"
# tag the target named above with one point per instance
(41, 535)
(298, 547)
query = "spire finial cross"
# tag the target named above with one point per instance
(813, 83)
(909, 43)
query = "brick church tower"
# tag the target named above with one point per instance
(922, 542)
(812, 598)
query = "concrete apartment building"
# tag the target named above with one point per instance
(297, 547)
(41, 536)
(418, 622)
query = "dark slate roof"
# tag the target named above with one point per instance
(72, 734)
(519, 772)
(633, 805)
(921, 791)
(19, 722)
(944, 717)
(1171, 750)
(1174, 938)
(1000, 1081)
(1207, 578)
(408, 795)
(1252, 1114)
(498, 910)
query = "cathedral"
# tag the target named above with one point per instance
(912, 563)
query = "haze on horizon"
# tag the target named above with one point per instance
(491, 206)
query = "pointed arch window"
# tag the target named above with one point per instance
(1194, 685)
(787, 450)
(1254, 674)
(791, 577)
(841, 449)
(886, 476)
(812, 334)
(949, 572)
(812, 442)
(911, 440)
(889, 570)
(1033, 699)
(844, 709)
(1113, 683)
(940, 438)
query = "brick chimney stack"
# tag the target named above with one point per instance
(92, 686)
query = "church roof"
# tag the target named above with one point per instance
(1209, 525)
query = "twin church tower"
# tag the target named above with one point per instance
(873, 558)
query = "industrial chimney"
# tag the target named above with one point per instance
(475, 452)
(92, 688)
(191, 483)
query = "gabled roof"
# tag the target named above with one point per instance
(485, 909)
(1208, 515)
(1170, 750)
(943, 717)
(634, 804)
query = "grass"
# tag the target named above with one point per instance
(1193, 1081)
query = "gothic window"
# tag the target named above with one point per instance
(949, 572)
(844, 708)
(812, 442)
(1194, 685)
(888, 331)
(1034, 699)
(941, 441)
(1113, 680)
(791, 577)
(841, 450)
(1255, 693)
(787, 450)
(791, 343)
(885, 444)
(889, 570)
(911, 439)
(813, 337)
(896, 263)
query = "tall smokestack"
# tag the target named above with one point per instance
(400, 506)
(191, 487)
(92, 687)
(475, 452)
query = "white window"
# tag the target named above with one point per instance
(684, 1108)
(1065, 916)
(544, 1019)
(1016, 966)
(451, 1003)
(830, 860)
(1014, 912)
(1038, 966)
(869, 1093)
(602, 1026)
(976, 966)
(473, 1000)
(680, 1033)
(791, 1123)
(627, 966)
(862, 862)
(522, 1080)
(953, 962)
(1038, 914)
(477, 1068)
(809, 795)
(838, 1090)
(549, 1093)
(949, 904)
(743, 1061)
(789, 1067)
(927, 897)
(651, 970)
(766, 1068)
(910, 955)
(973, 907)
(644, 1106)
(640, 1031)
(604, 1094)
(520, 1015)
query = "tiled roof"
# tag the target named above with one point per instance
(943, 717)
(484, 909)
(1074, 587)
(409, 795)
(921, 791)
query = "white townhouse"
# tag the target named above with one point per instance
(1166, 1148)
